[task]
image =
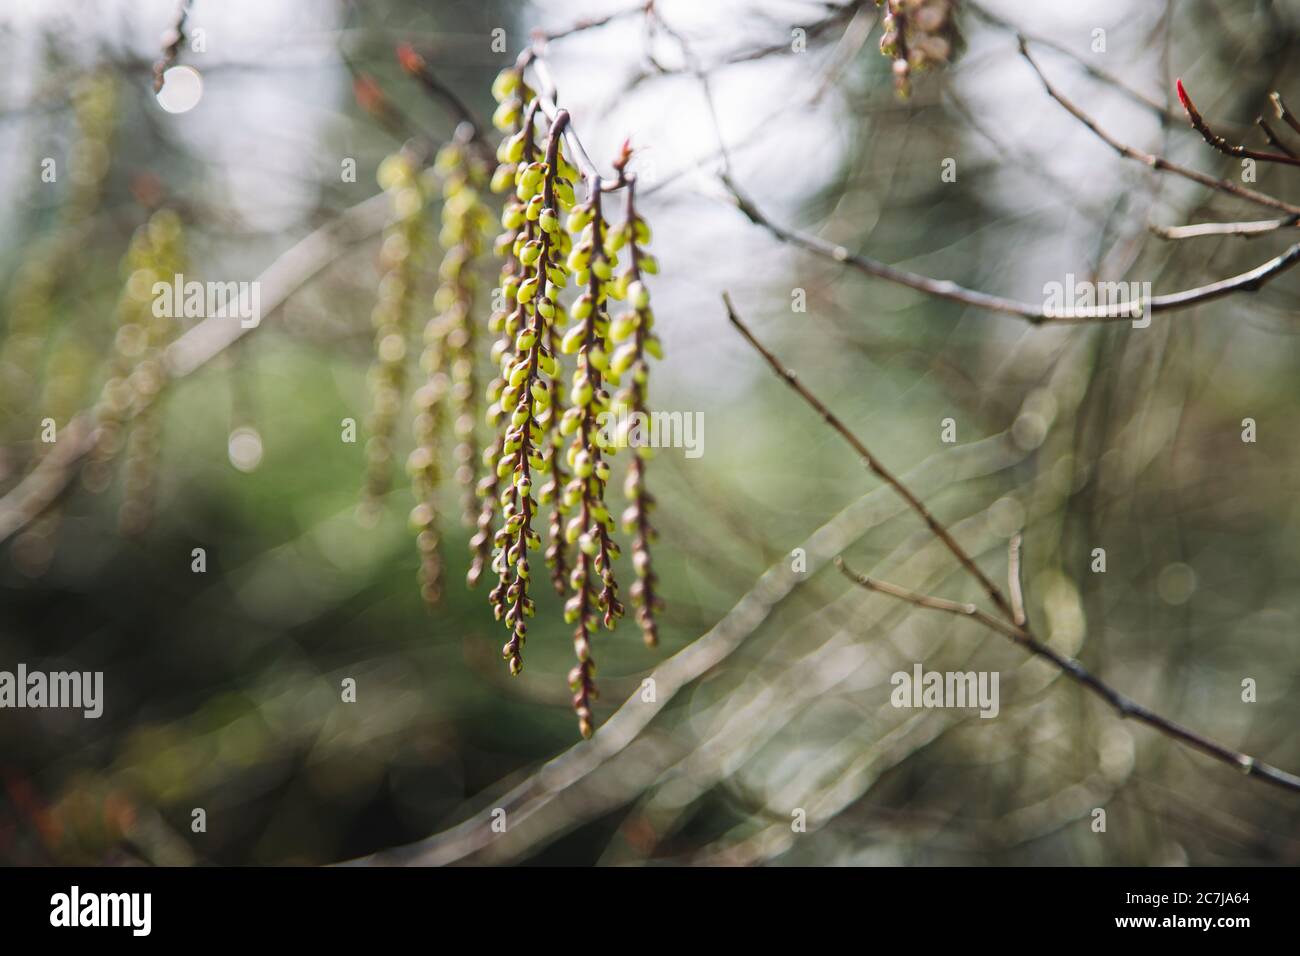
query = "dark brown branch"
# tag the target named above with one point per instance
(1151, 159)
(417, 66)
(1221, 144)
(1021, 634)
(1273, 139)
(870, 460)
(1123, 705)
(1284, 114)
(1037, 315)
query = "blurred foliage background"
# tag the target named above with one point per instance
(222, 688)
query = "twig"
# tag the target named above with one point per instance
(1273, 139)
(870, 460)
(1038, 315)
(1284, 114)
(417, 66)
(590, 23)
(546, 99)
(294, 268)
(1248, 229)
(1108, 79)
(972, 611)
(1123, 705)
(1021, 634)
(1016, 579)
(1150, 159)
(1221, 144)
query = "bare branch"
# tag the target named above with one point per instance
(1150, 159)
(293, 269)
(1248, 229)
(1037, 315)
(870, 460)
(973, 611)
(1124, 706)
(1221, 144)
(1021, 634)
(1284, 114)
(1273, 139)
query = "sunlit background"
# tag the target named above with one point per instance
(771, 685)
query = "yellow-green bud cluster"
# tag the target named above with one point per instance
(400, 253)
(551, 446)
(448, 360)
(523, 399)
(127, 407)
(634, 331)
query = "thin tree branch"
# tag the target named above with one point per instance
(1123, 705)
(1273, 139)
(1037, 315)
(1151, 159)
(870, 460)
(1221, 144)
(973, 611)
(1021, 634)
(296, 266)
(417, 66)
(174, 37)
(1247, 229)
(1284, 114)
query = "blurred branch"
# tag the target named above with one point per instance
(296, 266)
(562, 777)
(418, 67)
(1004, 625)
(1247, 229)
(1016, 578)
(1037, 315)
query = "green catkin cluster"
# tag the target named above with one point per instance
(503, 180)
(448, 361)
(128, 413)
(918, 34)
(594, 599)
(551, 442)
(402, 249)
(633, 333)
(555, 439)
(542, 194)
